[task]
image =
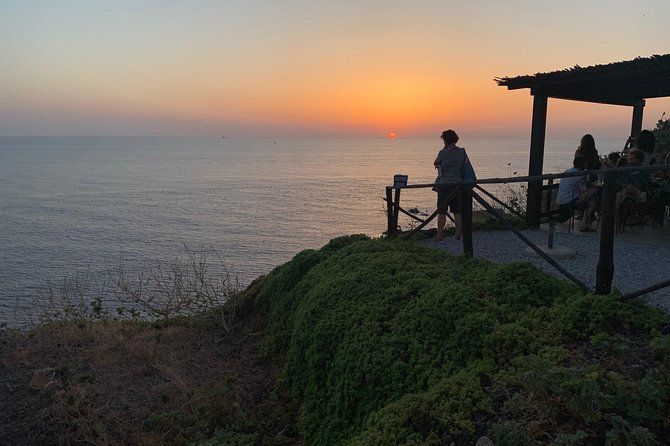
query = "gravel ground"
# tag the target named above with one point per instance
(636, 265)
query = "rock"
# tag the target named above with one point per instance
(484, 441)
(414, 211)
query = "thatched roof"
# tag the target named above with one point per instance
(621, 83)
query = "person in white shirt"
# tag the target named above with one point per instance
(574, 193)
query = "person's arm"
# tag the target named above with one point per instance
(438, 160)
(629, 142)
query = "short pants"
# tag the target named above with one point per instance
(454, 203)
(566, 210)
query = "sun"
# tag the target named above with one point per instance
(392, 135)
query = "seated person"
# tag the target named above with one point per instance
(636, 182)
(634, 186)
(646, 143)
(611, 160)
(574, 193)
(630, 143)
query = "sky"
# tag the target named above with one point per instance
(294, 68)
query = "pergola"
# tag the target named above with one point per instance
(626, 83)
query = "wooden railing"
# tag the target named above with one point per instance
(469, 191)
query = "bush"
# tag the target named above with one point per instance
(662, 134)
(388, 342)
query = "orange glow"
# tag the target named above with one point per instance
(392, 135)
(291, 70)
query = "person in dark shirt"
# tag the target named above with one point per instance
(634, 186)
(636, 182)
(587, 150)
(646, 143)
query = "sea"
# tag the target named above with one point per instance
(71, 206)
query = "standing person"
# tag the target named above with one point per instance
(450, 164)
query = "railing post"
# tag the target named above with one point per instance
(547, 201)
(396, 210)
(605, 269)
(390, 230)
(547, 208)
(466, 219)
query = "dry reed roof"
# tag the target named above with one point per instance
(620, 83)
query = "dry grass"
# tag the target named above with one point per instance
(137, 383)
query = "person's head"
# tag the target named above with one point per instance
(645, 141)
(449, 137)
(579, 163)
(635, 157)
(588, 144)
(614, 157)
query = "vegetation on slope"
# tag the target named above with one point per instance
(387, 342)
(363, 342)
(177, 382)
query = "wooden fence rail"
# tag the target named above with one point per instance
(465, 192)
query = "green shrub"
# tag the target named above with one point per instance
(388, 342)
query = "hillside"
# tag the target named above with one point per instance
(367, 342)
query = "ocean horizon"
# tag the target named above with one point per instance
(86, 205)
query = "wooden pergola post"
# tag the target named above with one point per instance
(638, 113)
(537, 136)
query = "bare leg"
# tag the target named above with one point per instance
(441, 221)
(591, 207)
(586, 221)
(458, 221)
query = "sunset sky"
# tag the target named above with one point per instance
(309, 68)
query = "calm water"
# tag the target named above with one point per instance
(87, 204)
